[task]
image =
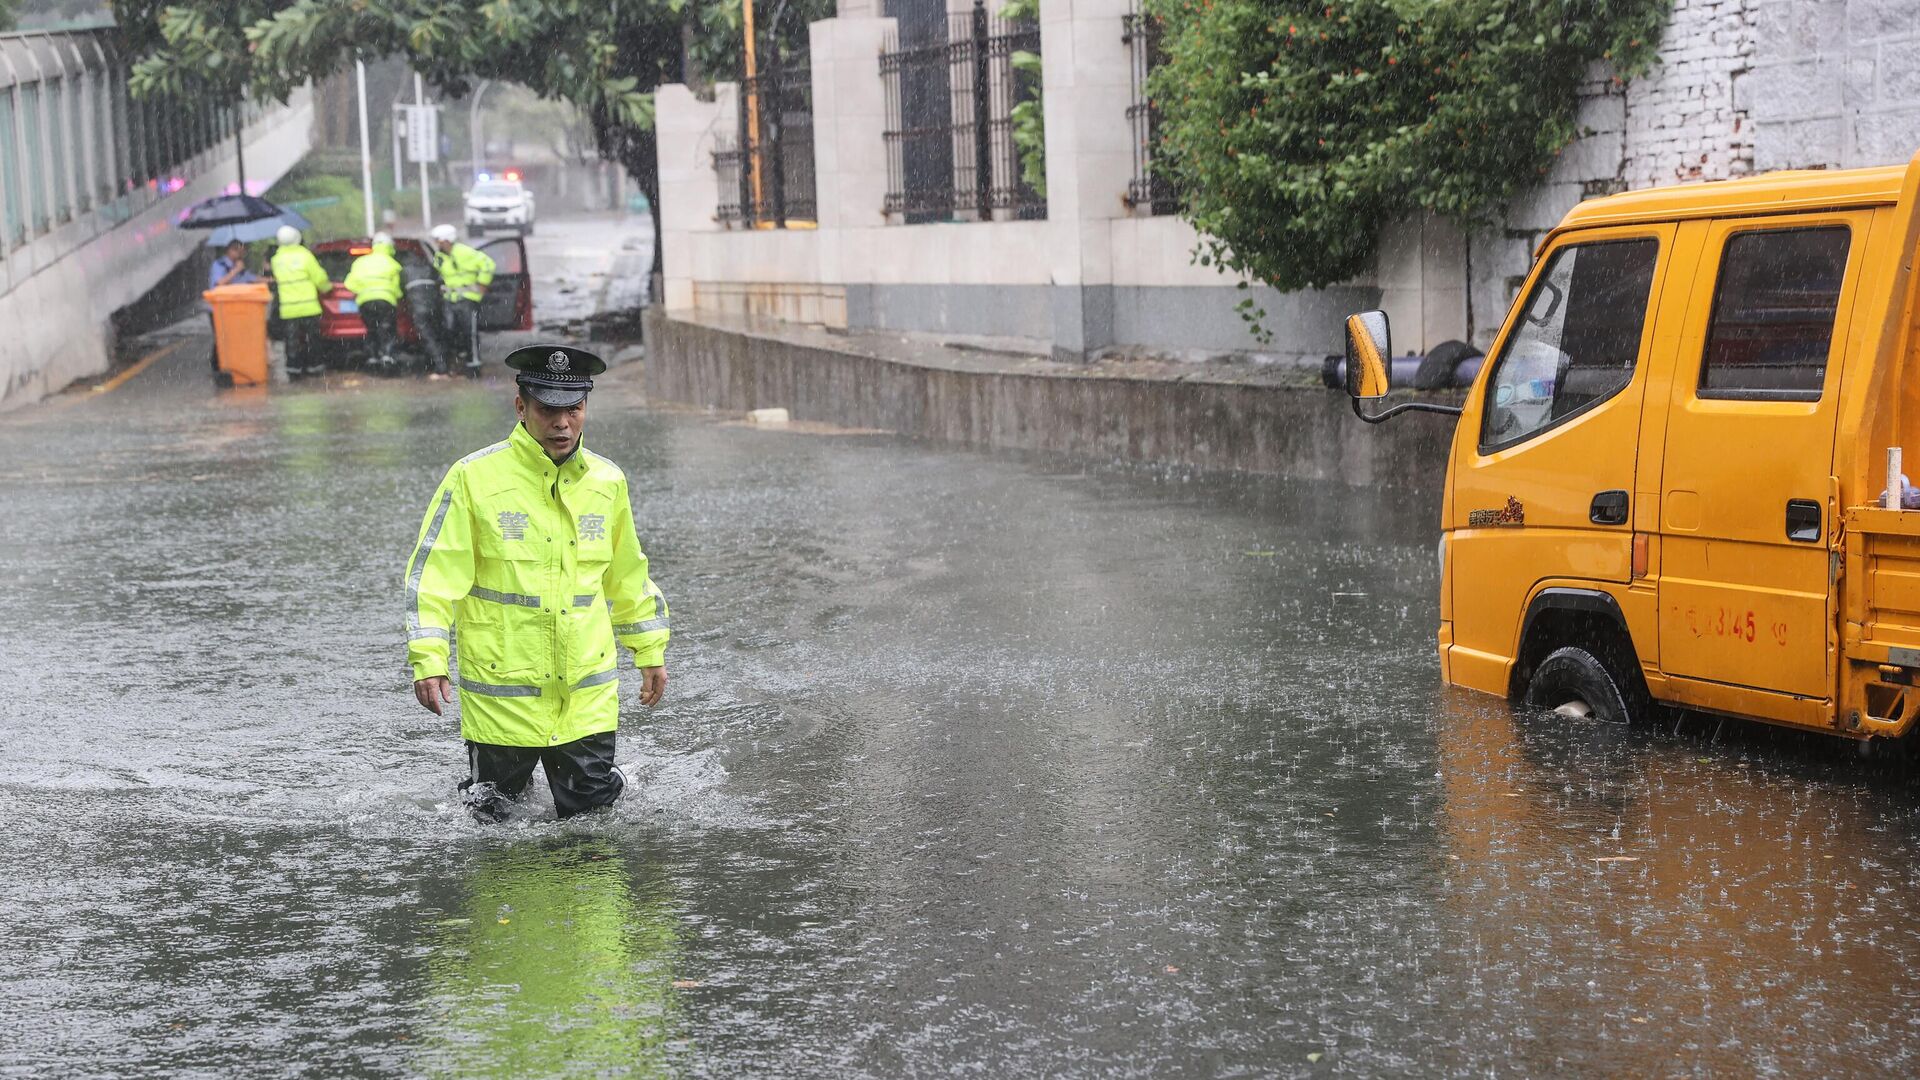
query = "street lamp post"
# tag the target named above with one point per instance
(426, 193)
(366, 144)
(475, 133)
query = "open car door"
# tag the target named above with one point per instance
(509, 301)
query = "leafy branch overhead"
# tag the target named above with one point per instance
(605, 56)
(1029, 115)
(1295, 131)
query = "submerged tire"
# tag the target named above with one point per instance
(1575, 672)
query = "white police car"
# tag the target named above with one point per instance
(499, 202)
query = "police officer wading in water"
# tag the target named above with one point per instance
(528, 552)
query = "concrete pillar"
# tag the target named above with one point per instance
(1086, 69)
(849, 135)
(688, 130)
(849, 121)
(1422, 272)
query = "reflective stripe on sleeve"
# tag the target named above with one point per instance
(640, 627)
(598, 679)
(428, 632)
(491, 690)
(515, 599)
(420, 554)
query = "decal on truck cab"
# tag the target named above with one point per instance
(1514, 513)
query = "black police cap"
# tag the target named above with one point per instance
(555, 375)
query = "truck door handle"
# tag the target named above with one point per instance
(1803, 520)
(1609, 508)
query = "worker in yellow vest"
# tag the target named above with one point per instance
(465, 273)
(529, 555)
(374, 280)
(300, 281)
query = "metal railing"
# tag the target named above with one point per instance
(949, 134)
(728, 160)
(74, 140)
(1149, 190)
(773, 160)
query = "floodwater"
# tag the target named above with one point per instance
(973, 764)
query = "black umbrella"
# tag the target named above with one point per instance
(248, 231)
(227, 210)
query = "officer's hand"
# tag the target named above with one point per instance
(432, 693)
(653, 685)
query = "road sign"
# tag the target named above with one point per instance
(423, 133)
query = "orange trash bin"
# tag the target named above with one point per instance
(240, 330)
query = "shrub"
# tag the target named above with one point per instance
(1295, 131)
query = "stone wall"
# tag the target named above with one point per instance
(1741, 86)
(1835, 83)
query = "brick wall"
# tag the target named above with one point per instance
(1741, 86)
(1681, 121)
(1835, 83)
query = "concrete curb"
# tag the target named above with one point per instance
(1205, 416)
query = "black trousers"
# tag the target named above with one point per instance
(379, 317)
(463, 330)
(580, 774)
(423, 303)
(301, 335)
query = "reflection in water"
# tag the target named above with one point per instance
(560, 964)
(1704, 901)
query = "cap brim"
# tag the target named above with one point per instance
(552, 396)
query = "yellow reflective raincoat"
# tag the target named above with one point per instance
(537, 570)
(299, 280)
(375, 276)
(465, 272)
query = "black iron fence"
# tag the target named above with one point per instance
(728, 160)
(766, 177)
(1149, 190)
(949, 135)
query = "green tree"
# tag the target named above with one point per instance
(604, 56)
(1294, 131)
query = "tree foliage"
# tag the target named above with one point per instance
(1029, 116)
(604, 56)
(1295, 131)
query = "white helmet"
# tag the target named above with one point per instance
(287, 235)
(382, 238)
(444, 232)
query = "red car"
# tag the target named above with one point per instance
(508, 304)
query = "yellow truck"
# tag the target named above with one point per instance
(1675, 479)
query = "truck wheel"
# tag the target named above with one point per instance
(1573, 673)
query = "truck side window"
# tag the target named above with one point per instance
(1576, 342)
(1773, 314)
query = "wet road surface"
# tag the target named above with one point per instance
(973, 764)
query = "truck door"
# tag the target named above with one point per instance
(1543, 466)
(508, 304)
(1747, 495)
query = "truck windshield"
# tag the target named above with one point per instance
(1577, 339)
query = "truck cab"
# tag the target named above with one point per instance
(1666, 484)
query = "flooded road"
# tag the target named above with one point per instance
(973, 764)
